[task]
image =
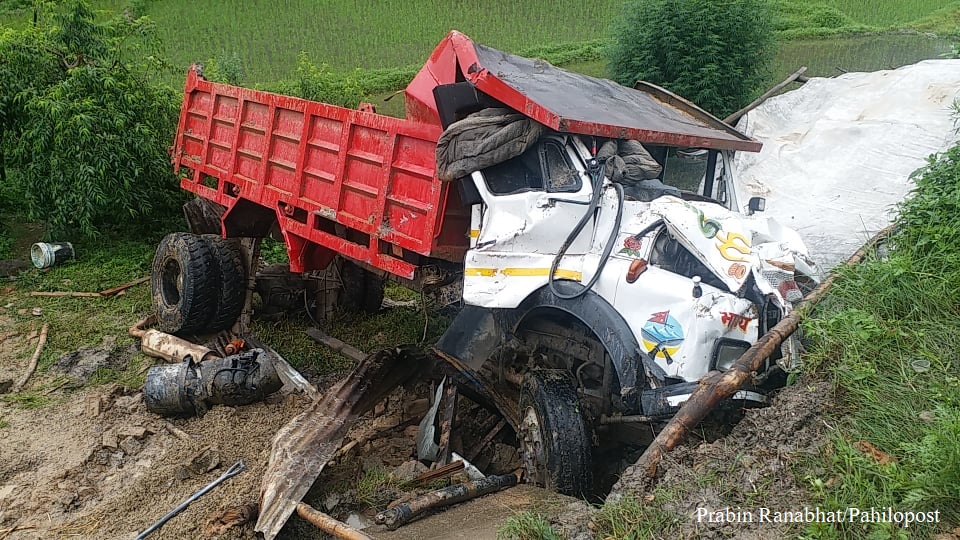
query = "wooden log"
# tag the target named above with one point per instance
(345, 349)
(33, 360)
(329, 525)
(487, 438)
(177, 432)
(410, 510)
(60, 294)
(795, 76)
(125, 286)
(446, 422)
(718, 387)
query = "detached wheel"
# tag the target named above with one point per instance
(554, 439)
(362, 289)
(183, 283)
(231, 282)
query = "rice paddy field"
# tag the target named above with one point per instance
(268, 36)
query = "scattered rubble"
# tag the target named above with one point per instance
(82, 363)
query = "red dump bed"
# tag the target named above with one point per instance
(364, 185)
(353, 182)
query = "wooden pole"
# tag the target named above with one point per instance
(345, 349)
(33, 360)
(714, 389)
(795, 76)
(329, 525)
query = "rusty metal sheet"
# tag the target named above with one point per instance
(303, 447)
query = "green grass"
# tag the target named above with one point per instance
(396, 38)
(527, 525)
(376, 487)
(630, 518)
(889, 334)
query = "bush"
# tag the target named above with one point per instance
(713, 53)
(84, 123)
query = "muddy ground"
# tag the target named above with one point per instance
(95, 463)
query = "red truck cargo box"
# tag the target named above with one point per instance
(352, 182)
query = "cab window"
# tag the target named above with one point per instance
(560, 174)
(545, 166)
(522, 173)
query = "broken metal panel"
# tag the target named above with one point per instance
(303, 447)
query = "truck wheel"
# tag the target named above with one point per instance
(554, 439)
(231, 289)
(183, 283)
(362, 289)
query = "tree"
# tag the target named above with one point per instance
(712, 52)
(84, 123)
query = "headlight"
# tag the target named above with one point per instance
(727, 352)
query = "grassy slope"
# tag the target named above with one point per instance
(267, 37)
(889, 334)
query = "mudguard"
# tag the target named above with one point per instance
(476, 333)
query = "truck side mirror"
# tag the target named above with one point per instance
(756, 204)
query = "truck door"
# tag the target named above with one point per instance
(531, 202)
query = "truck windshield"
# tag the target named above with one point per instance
(685, 169)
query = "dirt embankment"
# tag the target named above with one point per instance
(748, 469)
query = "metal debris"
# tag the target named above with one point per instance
(234, 470)
(302, 448)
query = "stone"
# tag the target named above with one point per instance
(131, 446)
(138, 432)
(93, 405)
(382, 423)
(331, 501)
(7, 490)
(409, 470)
(110, 439)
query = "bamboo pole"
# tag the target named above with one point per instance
(329, 525)
(795, 76)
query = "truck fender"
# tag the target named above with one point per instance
(476, 334)
(613, 332)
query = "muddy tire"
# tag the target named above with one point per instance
(183, 283)
(231, 282)
(555, 442)
(362, 289)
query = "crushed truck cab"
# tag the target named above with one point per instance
(608, 262)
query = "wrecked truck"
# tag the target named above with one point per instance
(605, 260)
